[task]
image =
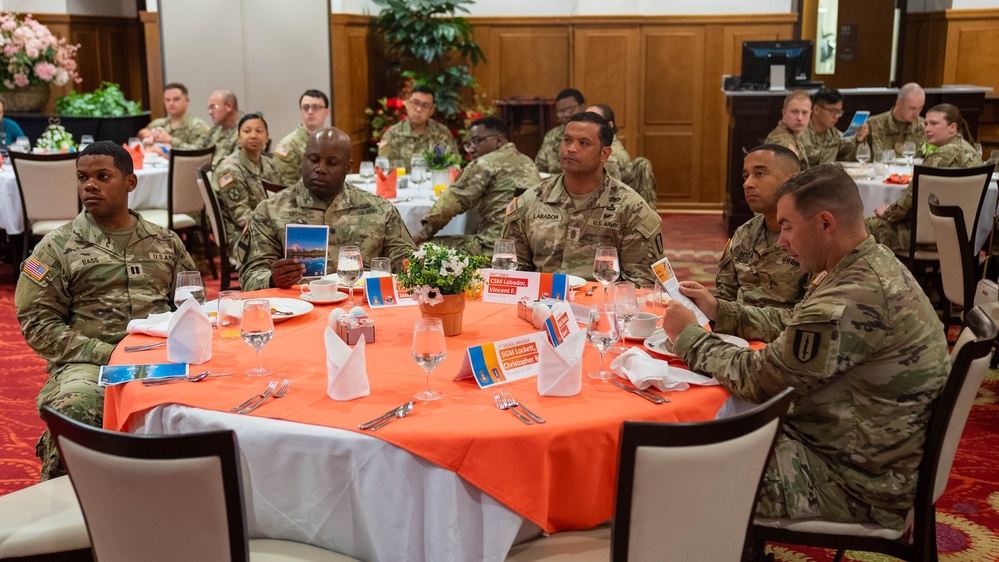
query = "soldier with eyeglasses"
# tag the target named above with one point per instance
(418, 132)
(825, 143)
(568, 102)
(315, 108)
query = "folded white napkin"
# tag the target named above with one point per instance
(644, 371)
(561, 368)
(156, 325)
(189, 335)
(346, 368)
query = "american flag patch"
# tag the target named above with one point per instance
(35, 268)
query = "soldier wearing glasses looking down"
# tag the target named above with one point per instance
(418, 132)
(315, 108)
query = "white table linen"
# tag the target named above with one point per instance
(414, 203)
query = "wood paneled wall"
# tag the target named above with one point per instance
(356, 84)
(953, 47)
(662, 76)
(111, 50)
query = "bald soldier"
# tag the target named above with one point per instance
(558, 224)
(223, 108)
(488, 185)
(864, 349)
(792, 129)
(754, 269)
(901, 123)
(354, 217)
(85, 281)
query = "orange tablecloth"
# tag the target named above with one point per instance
(537, 471)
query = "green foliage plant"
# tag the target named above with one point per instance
(106, 101)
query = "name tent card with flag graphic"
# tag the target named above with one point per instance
(516, 358)
(508, 287)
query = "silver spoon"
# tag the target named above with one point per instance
(167, 380)
(400, 413)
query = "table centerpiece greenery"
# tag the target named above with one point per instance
(437, 277)
(106, 101)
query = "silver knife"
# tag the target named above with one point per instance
(385, 416)
(646, 395)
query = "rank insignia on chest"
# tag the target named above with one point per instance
(806, 345)
(36, 269)
(134, 270)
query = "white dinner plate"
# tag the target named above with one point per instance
(656, 343)
(575, 282)
(295, 306)
(358, 285)
(340, 297)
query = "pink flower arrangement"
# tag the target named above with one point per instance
(32, 55)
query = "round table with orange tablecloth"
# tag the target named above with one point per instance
(457, 479)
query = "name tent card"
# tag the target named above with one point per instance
(508, 287)
(381, 291)
(664, 272)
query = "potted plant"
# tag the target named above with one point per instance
(437, 277)
(104, 113)
(439, 162)
(31, 59)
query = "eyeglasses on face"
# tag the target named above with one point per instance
(835, 112)
(476, 141)
(566, 111)
(307, 108)
(213, 107)
(421, 105)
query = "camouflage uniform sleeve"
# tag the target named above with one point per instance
(385, 145)
(613, 168)
(259, 248)
(544, 159)
(727, 280)
(750, 322)
(397, 243)
(287, 161)
(456, 199)
(899, 210)
(513, 229)
(43, 311)
(233, 196)
(848, 150)
(193, 136)
(641, 246)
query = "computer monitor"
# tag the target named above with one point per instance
(759, 56)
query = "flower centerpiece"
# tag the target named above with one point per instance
(440, 162)
(32, 58)
(391, 112)
(56, 139)
(437, 277)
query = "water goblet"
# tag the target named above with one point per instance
(229, 311)
(505, 254)
(367, 171)
(257, 328)
(863, 154)
(381, 267)
(349, 268)
(606, 267)
(888, 156)
(602, 331)
(429, 349)
(626, 307)
(979, 149)
(189, 284)
(909, 152)
(383, 164)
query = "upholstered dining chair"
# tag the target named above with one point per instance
(165, 497)
(957, 261)
(918, 541)
(43, 522)
(49, 199)
(213, 212)
(675, 480)
(183, 197)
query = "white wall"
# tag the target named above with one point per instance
(110, 8)
(266, 52)
(594, 7)
(941, 5)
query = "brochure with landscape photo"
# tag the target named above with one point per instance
(308, 244)
(117, 374)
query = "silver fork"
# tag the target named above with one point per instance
(509, 400)
(267, 392)
(502, 405)
(134, 348)
(281, 391)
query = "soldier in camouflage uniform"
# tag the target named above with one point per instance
(315, 108)
(85, 281)
(238, 178)
(558, 225)
(889, 130)
(178, 126)
(826, 142)
(354, 217)
(864, 349)
(618, 165)
(488, 184)
(792, 130)
(754, 270)
(944, 128)
(568, 102)
(418, 132)
(224, 111)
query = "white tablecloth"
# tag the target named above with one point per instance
(413, 204)
(875, 193)
(150, 193)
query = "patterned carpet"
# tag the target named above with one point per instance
(968, 513)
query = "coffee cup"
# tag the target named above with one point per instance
(321, 289)
(644, 324)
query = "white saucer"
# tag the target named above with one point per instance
(340, 297)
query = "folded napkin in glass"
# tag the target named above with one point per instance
(644, 371)
(560, 369)
(189, 335)
(346, 368)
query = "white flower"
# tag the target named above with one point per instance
(421, 253)
(452, 268)
(432, 296)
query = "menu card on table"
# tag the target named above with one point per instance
(516, 358)
(508, 287)
(664, 272)
(118, 374)
(308, 243)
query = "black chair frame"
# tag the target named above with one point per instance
(964, 247)
(227, 271)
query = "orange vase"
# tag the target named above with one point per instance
(450, 312)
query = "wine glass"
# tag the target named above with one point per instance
(505, 254)
(257, 328)
(909, 152)
(863, 154)
(979, 149)
(888, 156)
(367, 171)
(429, 349)
(189, 284)
(602, 331)
(349, 268)
(381, 267)
(383, 164)
(626, 307)
(606, 268)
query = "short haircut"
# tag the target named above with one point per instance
(228, 97)
(825, 188)
(176, 86)
(122, 159)
(423, 90)
(608, 114)
(250, 117)
(571, 93)
(828, 96)
(492, 124)
(784, 155)
(908, 89)
(606, 135)
(314, 94)
(796, 95)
